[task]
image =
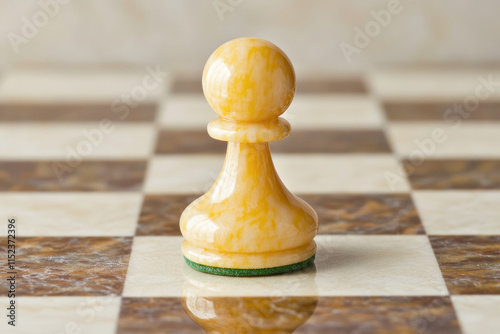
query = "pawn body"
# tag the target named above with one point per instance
(248, 223)
(248, 219)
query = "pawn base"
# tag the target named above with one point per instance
(258, 263)
(249, 272)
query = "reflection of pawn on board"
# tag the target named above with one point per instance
(248, 223)
(272, 304)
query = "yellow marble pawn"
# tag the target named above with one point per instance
(248, 223)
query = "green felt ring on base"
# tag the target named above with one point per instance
(249, 272)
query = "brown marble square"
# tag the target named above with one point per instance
(365, 214)
(329, 86)
(74, 112)
(70, 266)
(123, 175)
(382, 315)
(321, 86)
(470, 264)
(454, 174)
(284, 314)
(332, 141)
(435, 111)
(299, 141)
(188, 141)
(160, 214)
(155, 316)
(186, 86)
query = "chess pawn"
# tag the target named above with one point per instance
(248, 223)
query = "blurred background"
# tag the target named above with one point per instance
(396, 125)
(182, 34)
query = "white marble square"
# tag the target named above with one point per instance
(182, 174)
(377, 265)
(191, 111)
(306, 173)
(478, 314)
(441, 140)
(97, 85)
(344, 266)
(186, 111)
(459, 212)
(333, 111)
(433, 84)
(35, 141)
(97, 315)
(155, 267)
(72, 214)
(349, 173)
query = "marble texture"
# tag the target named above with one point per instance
(345, 266)
(435, 111)
(273, 314)
(45, 85)
(459, 212)
(333, 141)
(185, 111)
(150, 275)
(338, 214)
(185, 85)
(365, 214)
(435, 84)
(307, 111)
(466, 141)
(316, 111)
(478, 314)
(160, 214)
(249, 314)
(372, 251)
(459, 174)
(301, 173)
(72, 112)
(57, 141)
(72, 214)
(321, 173)
(124, 175)
(385, 265)
(249, 132)
(70, 266)
(248, 219)
(249, 80)
(97, 315)
(381, 315)
(172, 141)
(182, 174)
(470, 264)
(155, 316)
(339, 85)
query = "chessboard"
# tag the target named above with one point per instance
(402, 166)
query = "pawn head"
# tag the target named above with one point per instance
(249, 79)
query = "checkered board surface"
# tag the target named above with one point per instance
(401, 165)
